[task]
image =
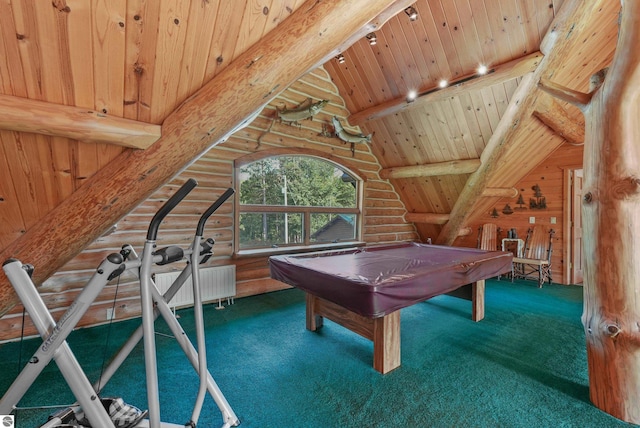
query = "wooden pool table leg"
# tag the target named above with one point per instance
(314, 321)
(386, 342)
(384, 332)
(477, 300)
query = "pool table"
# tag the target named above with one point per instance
(363, 289)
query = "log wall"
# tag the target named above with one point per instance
(550, 177)
(383, 212)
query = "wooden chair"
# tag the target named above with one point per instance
(488, 237)
(536, 261)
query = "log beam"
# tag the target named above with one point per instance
(501, 73)
(55, 120)
(555, 116)
(428, 218)
(500, 192)
(429, 170)
(245, 86)
(443, 218)
(520, 107)
(577, 98)
(558, 43)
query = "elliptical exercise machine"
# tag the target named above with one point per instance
(153, 304)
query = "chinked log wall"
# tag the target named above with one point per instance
(383, 211)
(550, 177)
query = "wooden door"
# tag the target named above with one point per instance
(576, 227)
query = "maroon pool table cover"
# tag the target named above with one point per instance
(375, 281)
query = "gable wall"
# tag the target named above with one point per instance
(383, 219)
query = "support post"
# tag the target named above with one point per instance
(611, 238)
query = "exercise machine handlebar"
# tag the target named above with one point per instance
(171, 203)
(203, 219)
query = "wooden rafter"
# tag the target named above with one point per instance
(557, 42)
(520, 108)
(559, 120)
(501, 73)
(438, 218)
(429, 170)
(21, 114)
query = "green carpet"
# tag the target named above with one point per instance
(524, 365)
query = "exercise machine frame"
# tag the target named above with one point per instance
(153, 304)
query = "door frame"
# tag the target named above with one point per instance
(567, 225)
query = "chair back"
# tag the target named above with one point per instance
(539, 243)
(488, 237)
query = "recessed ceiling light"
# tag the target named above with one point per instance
(482, 69)
(443, 83)
(411, 96)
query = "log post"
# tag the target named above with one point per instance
(611, 225)
(247, 84)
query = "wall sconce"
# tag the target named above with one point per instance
(372, 38)
(340, 58)
(494, 213)
(412, 13)
(507, 210)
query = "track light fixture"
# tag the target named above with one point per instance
(372, 38)
(340, 58)
(412, 13)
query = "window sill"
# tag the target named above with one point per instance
(296, 249)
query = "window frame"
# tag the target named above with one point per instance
(307, 245)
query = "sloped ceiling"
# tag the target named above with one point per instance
(139, 60)
(449, 41)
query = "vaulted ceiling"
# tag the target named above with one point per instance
(128, 64)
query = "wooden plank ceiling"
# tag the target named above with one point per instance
(139, 60)
(449, 41)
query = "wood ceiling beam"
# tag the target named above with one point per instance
(442, 218)
(427, 218)
(500, 192)
(55, 120)
(558, 42)
(245, 86)
(555, 116)
(498, 74)
(429, 170)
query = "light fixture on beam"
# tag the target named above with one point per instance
(412, 13)
(444, 83)
(340, 58)
(411, 96)
(482, 69)
(372, 38)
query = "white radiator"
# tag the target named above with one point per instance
(216, 283)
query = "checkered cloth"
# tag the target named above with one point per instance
(122, 414)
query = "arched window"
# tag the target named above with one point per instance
(293, 200)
